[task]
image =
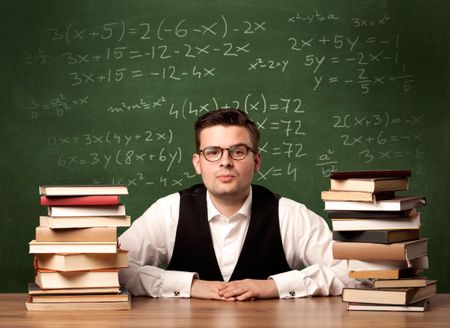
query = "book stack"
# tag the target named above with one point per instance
(377, 231)
(76, 256)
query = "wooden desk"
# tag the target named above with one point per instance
(146, 312)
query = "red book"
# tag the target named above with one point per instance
(80, 200)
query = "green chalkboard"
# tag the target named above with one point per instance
(106, 92)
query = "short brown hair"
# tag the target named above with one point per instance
(227, 117)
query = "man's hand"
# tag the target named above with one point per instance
(208, 290)
(248, 289)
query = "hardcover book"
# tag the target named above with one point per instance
(82, 190)
(397, 204)
(389, 252)
(37, 247)
(368, 174)
(350, 224)
(80, 200)
(376, 236)
(398, 296)
(49, 279)
(369, 185)
(100, 210)
(98, 234)
(82, 261)
(413, 307)
(84, 221)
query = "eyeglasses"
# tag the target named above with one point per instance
(214, 153)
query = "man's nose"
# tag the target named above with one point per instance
(226, 159)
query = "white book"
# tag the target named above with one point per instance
(82, 190)
(84, 221)
(103, 210)
(37, 247)
(417, 263)
(47, 279)
(351, 224)
(396, 204)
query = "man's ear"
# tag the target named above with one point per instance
(257, 160)
(196, 163)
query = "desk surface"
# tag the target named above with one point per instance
(147, 312)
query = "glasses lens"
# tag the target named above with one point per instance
(212, 153)
(238, 152)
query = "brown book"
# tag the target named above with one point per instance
(82, 261)
(413, 307)
(33, 289)
(389, 252)
(395, 283)
(369, 185)
(76, 234)
(368, 174)
(399, 296)
(384, 274)
(357, 196)
(122, 296)
(78, 306)
(49, 279)
(387, 269)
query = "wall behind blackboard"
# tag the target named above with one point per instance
(107, 92)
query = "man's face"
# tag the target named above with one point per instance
(226, 177)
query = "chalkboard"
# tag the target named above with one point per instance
(106, 92)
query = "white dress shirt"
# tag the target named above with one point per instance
(306, 240)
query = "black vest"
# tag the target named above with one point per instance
(262, 254)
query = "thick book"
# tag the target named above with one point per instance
(384, 274)
(368, 174)
(82, 261)
(389, 252)
(78, 306)
(44, 234)
(397, 296)
(350, 224)
(122, 296)
(82, 190)
(417, 263)
(376, 236)
(387, 269)
(84, 221)
(357, 196)
(371, 214)
(100, 210)
(395, 283)
(33, 289)
(37, 247)
(397, 204)
(413, 307)
(80, 200)
(49, 279)
(369, 185)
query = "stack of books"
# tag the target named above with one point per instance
(377, 231)
(76, 256)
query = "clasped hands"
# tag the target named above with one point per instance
(237, 290)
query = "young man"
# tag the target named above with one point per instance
(227, 239)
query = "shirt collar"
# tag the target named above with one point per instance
(245, 209)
